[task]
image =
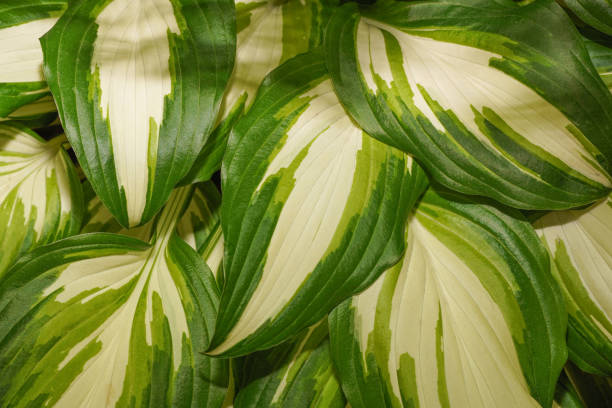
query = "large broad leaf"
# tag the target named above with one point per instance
(269, 33)
(40, 194)
(22, 23)
(596, 13)
(103, 320)
(581, 244)
(138, 88)
(298, 373)
(470, 318)
(199, 226)
(312, 209)
(493, 99)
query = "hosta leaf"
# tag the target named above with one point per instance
(470, 318)
(312, 209)
(199, 226)
(298, 373)
(493, 99)
(269, 33)
(40, 195)
(138, 88)
(596, 13)
(22, 23)
(102, 320)
(581, 245)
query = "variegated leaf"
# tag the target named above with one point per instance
(138, 86)
(513, 110)
(22, 23)
(40, 194)
(269, 33)
(470, 318)
(298, 373)
(580, 242)
(199, 226)
(102, 320)
(312, 209)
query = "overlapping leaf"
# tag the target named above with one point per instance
(138, 88)
(578, 389)
(199, 226)
(596, 13)
(104, 320)
(40, 195)
(22, 23)
(581, 244)
(312, 209)
(269, 33)
(470, 318)
(493, 98)
(601, 56)
(298, 373)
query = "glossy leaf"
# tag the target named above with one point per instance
(513, 110)
(312, 210)
(298, 373)
(104, 320)
(470, 318)
(40, 194)
(579, 241)
(138, 89)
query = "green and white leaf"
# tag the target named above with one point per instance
(581, 245)
(313, 209)
(199, 226)
(269, 33)
(470, 318)
(22, 23)
(512, 111)
(102, 320)
(40, 194)
(596, 13)
(298, 373)
(138, 89)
